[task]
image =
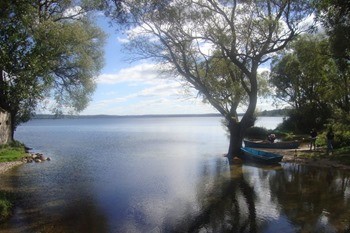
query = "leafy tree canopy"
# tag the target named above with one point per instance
(308, 78)
(49, 49)
(335, 16)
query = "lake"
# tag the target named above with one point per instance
(164, 174)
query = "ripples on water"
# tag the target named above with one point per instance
(163, 175)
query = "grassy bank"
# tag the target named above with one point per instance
(11, 152)
(8, 153)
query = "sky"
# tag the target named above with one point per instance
(125, 88)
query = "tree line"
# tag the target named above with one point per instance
(313, 76)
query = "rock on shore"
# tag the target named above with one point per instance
(37, 157)
(30, 158)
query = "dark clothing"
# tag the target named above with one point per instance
(330, 138)
(313, 135)
(330, 135)
(271, 138)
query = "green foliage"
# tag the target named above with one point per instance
(5, 205)
(257, 133)
(303, 120)
(335, 18)
(341, 134)
(302, 76)
(51, 52)
(307, 78)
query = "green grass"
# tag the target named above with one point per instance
(5, 205)
(11, 152)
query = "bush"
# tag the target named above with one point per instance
(341, 136)
(303, 120)
(256, 132)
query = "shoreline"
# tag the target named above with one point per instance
(6, 166)
(289, 156)
(296, 156)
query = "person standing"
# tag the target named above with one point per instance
(313, 136)
(330, 138)
(271, 138)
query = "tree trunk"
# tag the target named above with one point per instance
(236, 138)
(13, 126)
(237, 129)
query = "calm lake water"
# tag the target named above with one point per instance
(164, 175)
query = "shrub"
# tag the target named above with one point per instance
(341, 136)
(257, 132)
(303, 120)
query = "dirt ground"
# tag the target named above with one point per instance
(5, 166)
(297, 156)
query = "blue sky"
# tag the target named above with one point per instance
(125, 88)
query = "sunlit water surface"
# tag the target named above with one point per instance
(164, 175)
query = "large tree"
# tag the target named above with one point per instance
(305, 76)
(50, 50)
(216, 46)
(335, 17)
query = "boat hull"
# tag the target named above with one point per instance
(275, 145)
(258, 156)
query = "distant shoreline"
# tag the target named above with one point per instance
(48, 116)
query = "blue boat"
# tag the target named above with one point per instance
(259, 156)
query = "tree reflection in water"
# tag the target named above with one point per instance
(51, 212)
(314, 199)
(289, 198)
(236, 198)
(226, 204)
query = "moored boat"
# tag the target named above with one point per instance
(259, 156)
(275, 145)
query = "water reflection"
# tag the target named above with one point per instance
(219, 198)
(225, 204)
(45, 209)
(291, 198)
(314, 199)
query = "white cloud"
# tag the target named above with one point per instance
(165, 89)
(143, 73)
(123, 40)
(75, 12)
